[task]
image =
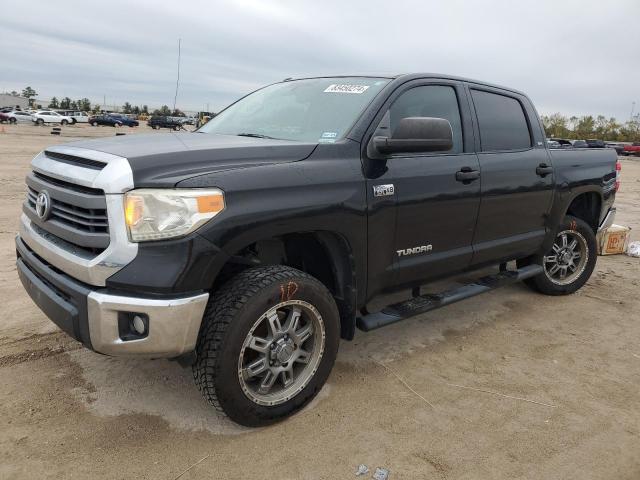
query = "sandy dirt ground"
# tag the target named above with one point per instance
(508, 385)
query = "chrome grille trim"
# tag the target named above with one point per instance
(114, 179)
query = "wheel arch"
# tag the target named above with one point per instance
(586, 205)
(325, 255)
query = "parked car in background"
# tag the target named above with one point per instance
(76, 117)
(124, 120)
(108, 120)
(633, 149)
(553, 144)
(4, 117)
(594, 143)
(17, 116)
(618, 147)
(157, 122)
(112, 120)
(563, 142)
(47, 116)
(579, 144)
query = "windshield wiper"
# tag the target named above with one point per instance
(255, 135)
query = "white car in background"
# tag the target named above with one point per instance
(18, 116)
(46, 116)
(76, 117)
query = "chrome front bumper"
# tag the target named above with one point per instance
(173, 324)
(95, 316)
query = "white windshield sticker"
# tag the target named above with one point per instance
(344, 88)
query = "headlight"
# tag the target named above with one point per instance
(155, 214)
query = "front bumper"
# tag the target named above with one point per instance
(96, 316)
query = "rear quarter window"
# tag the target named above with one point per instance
(502, 122)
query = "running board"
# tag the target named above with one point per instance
(425, 303)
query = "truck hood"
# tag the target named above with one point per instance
(164, 159)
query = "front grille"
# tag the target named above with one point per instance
(78, 214)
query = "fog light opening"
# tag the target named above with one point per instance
(133, 325)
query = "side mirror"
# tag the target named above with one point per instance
(416, 134)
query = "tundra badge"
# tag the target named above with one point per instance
(383, 190)
(412, 251)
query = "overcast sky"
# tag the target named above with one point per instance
(574, 57)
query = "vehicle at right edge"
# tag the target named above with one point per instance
(250, 248)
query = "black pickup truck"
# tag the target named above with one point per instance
(249, 248)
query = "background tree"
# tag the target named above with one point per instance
(585, 127)
(163, 111)
(126, 108)
(96, 108)
(84, 104)
(54, 103)
(178, 113)
(145, 109)
(556, 125)
(29, 93)
(65, 103)
(135, 110)
(14, 93)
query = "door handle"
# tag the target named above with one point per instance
(543, 169)
(465, 175)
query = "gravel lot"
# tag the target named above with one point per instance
(507, 385)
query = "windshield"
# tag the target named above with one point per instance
(311, 110)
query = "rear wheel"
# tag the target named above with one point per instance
(94, 124)
(267, 345)
(176, 127)
(64, 122)
(12, 120)
(570, 262)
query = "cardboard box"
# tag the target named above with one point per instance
(613, 240)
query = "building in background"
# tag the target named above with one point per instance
(8, 100)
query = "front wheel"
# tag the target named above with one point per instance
(40, 121)
(63, 122)
(267, 344)
(94, 124)
(570, 262)
(12, 120)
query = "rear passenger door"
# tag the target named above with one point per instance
(516, 176)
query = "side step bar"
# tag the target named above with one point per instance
(425, 303)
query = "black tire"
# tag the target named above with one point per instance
(40, 121)
(156, 127)
(545, 282)
(12, 120)
(63, 122)
(229, 318)
(73, 121)
(94, 124)
(117, 124)
(176, 127)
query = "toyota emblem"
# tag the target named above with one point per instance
(43, 205)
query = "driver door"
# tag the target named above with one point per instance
(435, 209)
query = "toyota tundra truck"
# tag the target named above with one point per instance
(249, 248)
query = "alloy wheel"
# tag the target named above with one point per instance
(567, 259)
(281, 353)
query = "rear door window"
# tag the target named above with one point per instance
(502, 122)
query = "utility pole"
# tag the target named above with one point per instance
(175, 98)
(633, 107)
